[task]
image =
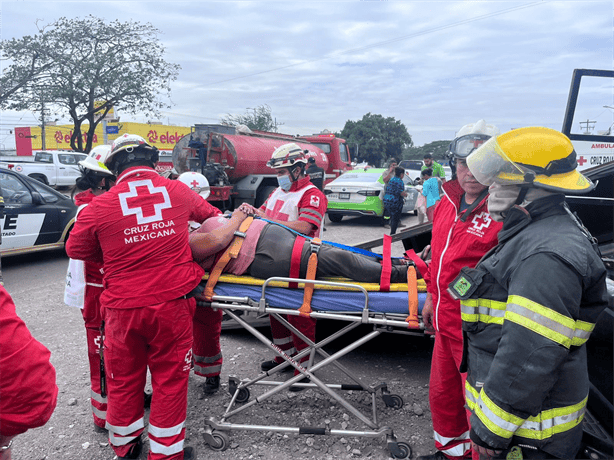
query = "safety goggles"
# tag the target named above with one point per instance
(464, 145)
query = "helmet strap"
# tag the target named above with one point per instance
(521, 196)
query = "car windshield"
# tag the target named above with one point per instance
(415, 165)
(358, 177)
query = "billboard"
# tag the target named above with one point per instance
(164, 137)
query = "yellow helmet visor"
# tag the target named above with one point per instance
(490, 164)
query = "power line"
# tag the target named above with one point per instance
(385, 42)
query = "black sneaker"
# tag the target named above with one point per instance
(189, 454)
(303, 380)
(268, 365)
(100, 429)
(135, 450)
(212, 385)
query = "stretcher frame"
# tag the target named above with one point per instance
(215, 434)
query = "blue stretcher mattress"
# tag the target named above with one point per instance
(324, 300)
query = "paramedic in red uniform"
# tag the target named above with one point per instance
(207, 321)
(463, 232)
(139, 230)
(299, 205)
(28, 392)
(94, 181)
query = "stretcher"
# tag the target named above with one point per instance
(333, 299)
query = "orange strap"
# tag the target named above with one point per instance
(412, 299)
(232, 251)
(312, 267)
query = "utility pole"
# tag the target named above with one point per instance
(590, 125)
(43, 145)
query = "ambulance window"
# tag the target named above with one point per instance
(14, 191)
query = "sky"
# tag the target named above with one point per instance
(435, 65)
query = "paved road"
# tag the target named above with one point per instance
(36, 283)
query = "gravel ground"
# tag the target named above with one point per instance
(399, 360)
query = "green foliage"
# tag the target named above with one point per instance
(73, 63)
(260, 119)
(378, 138)
(438, 149)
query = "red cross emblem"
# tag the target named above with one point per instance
(581, 160)
(276, 213)
(194, 183)
(145, 201)
(481, 220)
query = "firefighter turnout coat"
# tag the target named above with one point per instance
(459, 239)
(528, 309)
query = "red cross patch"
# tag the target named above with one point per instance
(315, 201)
(481, 221)
(152, 201)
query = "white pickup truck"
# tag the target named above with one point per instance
(54, 168)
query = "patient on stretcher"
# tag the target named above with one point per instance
(268, 250)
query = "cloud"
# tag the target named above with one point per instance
(433, 65)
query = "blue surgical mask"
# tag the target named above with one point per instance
(284, 182)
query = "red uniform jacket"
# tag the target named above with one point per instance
(139, 229)
(455, 244)
(28, 392)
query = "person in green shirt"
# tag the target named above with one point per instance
(438, 170)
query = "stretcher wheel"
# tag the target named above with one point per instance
(403, 450)
(243, 395)
(221, 439)
(394, 401)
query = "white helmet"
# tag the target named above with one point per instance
(470, 137)
(196, 182)
(287, 156)
(132, 144)
(97, 158)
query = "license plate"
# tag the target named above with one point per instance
(332, 196)
(344, 196)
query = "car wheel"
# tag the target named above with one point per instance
(40, 178)
(334, 217)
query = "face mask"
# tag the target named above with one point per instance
(284, 182)
(500, 199)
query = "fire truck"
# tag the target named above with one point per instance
(233, 159)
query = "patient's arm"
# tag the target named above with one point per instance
(206, 244)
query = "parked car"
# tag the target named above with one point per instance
(36, 217)
(412, 169)
(360, 193)
(55, 168)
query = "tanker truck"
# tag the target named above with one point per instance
(233, 159)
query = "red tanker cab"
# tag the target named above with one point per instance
(335, 149)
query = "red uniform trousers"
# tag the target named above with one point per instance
(93, 320)
(158, 336)
(447, 398)
(291, 343)
(207, 350)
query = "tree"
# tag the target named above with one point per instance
(86, 67)
(258, 120)
(439, 150)
(378, 138)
